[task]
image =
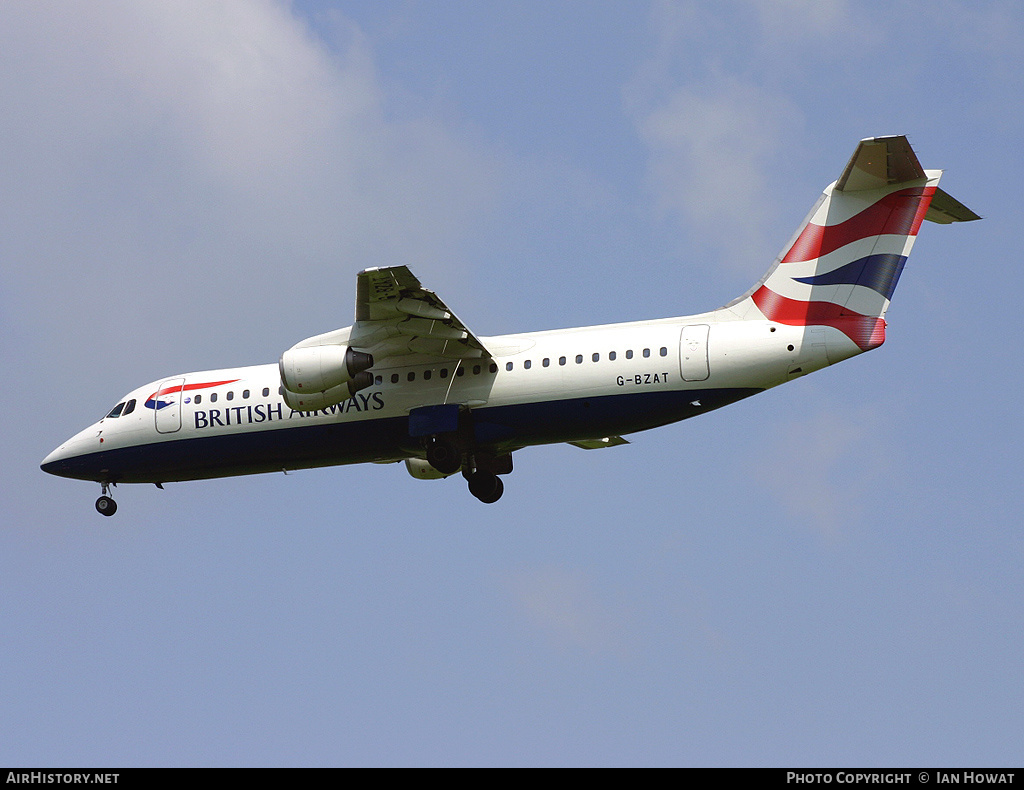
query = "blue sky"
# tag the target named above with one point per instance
(828, 573)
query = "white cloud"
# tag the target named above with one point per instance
(159, 155)
(714, 131)
(710, 150)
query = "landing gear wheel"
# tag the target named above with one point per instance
(444, 456)
(486, 487)
(106, 506)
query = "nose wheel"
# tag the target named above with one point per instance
(105, 505)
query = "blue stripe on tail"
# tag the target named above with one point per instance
(878, 272)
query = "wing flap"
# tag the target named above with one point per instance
(434, 329)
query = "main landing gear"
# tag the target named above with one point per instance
(449, 452)
(484, 485)
(443, 455)
(105, 505)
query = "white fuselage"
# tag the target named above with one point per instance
(537, 389)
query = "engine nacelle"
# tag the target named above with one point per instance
(421, 469)
(318, 369)
(314, 401)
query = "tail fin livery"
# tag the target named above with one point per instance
(842, 266)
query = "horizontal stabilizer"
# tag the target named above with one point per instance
(879, 162)
(945, 209)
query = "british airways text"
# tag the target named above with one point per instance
(269, 412)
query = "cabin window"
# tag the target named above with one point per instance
(266, 392)
(629, 354)
(427, 374)
(411, 376)
(611, 355)
(493, 367)
(394, 378)
(460, 371)
(116, 411)
(579, 359)
(596, 358)
(561, 360)
(647, 353)
(378, 380)
(476, 370)
(508, 366)
(199, 398)
(231, 396)
(664, 351)
(546, 362)
(444, 373)
(213, 397)
(245, 394)
(527, 364)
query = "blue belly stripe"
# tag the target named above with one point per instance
(499, 429)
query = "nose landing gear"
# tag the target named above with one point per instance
(105, 505)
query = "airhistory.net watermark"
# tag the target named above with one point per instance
(47, 778)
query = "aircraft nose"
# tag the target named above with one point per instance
(56, 462)
(72, 458)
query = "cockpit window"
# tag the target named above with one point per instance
(129, 407)
(116, 411)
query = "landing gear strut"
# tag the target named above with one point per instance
(105, 505)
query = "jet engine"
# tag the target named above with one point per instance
(421, 469)
(315, 377)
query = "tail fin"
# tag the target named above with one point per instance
(841, 267)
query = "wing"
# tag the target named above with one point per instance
(397, 316)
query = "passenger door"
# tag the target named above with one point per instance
(693, 352)
(168, 406)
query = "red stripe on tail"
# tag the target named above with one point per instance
(866, 331)
(899, 214)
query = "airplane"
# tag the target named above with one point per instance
(409, 382)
